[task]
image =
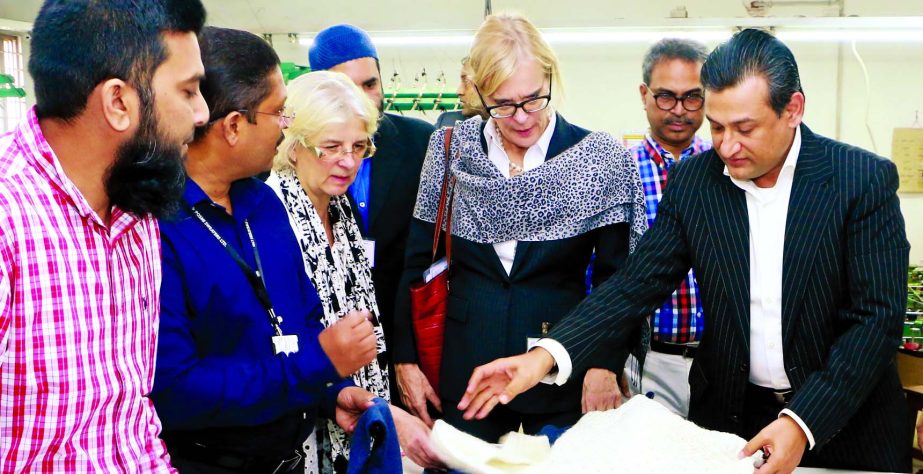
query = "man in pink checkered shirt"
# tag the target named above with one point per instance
(81, 179)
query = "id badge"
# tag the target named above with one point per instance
(369, 247)
(435, 269)
(285, 344)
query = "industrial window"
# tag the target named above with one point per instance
(12, 107)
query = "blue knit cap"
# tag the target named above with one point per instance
(338, 44)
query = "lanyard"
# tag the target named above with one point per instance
(255, 278)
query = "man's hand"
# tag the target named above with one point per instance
(415, 391)
(351, 404)
(502, 380)
(350, 343)
(414, 438)
(783, 441)
(601, 391)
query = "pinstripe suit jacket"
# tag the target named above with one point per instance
(844, 290)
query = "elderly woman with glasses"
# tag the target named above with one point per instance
(534, 197)
(316, 162)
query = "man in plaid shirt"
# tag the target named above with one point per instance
(673, 98)
(100, 154)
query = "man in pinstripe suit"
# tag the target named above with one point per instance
(799, 247)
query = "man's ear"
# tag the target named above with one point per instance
(643, 90)
(794, 110)
(121, 104)
(231, 127)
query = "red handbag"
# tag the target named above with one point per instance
(428, 300)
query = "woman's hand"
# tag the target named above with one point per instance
(414, 438)
(600, 391)
(415, 391)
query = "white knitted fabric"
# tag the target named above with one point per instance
(639, 437)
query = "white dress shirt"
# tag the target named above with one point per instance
(534, 158)
(767, 210)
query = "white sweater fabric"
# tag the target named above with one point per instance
(641, 436)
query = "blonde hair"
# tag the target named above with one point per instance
(320, 100)
(501, 43)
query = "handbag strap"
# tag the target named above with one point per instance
(445, 201)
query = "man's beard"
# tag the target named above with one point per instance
(147, 176)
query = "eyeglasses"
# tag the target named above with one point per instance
(508, 110)
(285, 119)
(667, 100)
(333, 153)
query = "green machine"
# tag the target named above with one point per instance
(9, 89)
(395, 101)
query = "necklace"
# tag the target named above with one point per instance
(515, 170)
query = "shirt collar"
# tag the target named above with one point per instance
(788, 167)
(245, 196)
(36, 146)
(543, 143)
(697, 146)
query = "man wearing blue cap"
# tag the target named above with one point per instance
(385, 189)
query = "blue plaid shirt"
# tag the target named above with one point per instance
(679, 320)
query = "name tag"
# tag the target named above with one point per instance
(435, 269)
(285, 344)
(369, 247)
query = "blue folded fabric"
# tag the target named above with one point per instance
(552, 432)
(375, 446)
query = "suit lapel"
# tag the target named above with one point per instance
(726, 209)
(808, 213)
(385, 166)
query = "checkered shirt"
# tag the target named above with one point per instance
(79, 308)
(679, 320)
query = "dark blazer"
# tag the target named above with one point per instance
(490, 313)
(843, 298)
(401, 143)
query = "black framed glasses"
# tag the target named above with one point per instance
(692, 101)
(508, 110)
(332, 153)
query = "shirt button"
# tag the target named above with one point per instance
(362, 204)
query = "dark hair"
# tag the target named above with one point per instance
(237, 67)
(76, 44)
(753, 52)
(672, 48)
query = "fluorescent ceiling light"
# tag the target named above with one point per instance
(15, 26)
(555, 37)
(834, 36)
(707, 30)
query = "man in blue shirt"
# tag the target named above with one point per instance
(243, 362)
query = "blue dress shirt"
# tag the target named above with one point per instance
(361, 193)
(216, 366)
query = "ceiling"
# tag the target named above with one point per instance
(304, 16)
(286, 16)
